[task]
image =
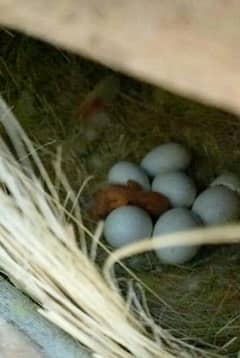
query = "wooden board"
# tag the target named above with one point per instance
(188, 46)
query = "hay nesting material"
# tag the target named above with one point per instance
(40, 254)
(141, 117)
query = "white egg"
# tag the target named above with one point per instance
(177, 187)
(217, 205)
(230, 180)
(121, 172)
(166, 157)
(178, 219)
(126, 225)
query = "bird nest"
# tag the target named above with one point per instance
(187, 311)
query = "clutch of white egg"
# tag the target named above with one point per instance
(162, 170)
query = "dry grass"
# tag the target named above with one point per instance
(48, 252)
(201, 299)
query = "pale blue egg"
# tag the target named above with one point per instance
(230, 180)
(122, 172)
(166, 157)
(176, 220)
(126, 225)
(177, 187)
(217, 205)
